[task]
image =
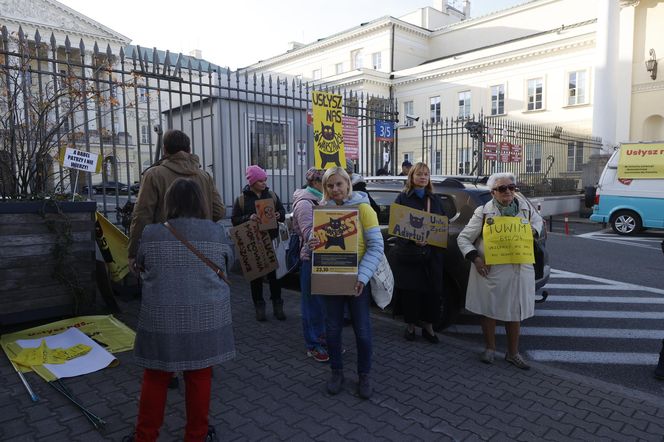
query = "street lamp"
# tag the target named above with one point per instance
(651, 64)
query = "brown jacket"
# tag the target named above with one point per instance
(149, 208)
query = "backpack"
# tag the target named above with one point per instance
(293, 261)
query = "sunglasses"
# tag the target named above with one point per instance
(503, 189)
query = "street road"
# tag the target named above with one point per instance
(604, 317)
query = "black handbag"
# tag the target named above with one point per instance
(538, 249)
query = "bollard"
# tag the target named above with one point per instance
(566, 226)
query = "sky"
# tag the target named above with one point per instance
(237, 33)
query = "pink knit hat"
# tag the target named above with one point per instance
(255, 173)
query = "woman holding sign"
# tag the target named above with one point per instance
(244, 209)
(501, 283)
(337, 191)
(418, 269)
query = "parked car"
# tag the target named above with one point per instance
(460, 196)
(111, 187)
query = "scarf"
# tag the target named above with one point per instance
(509, 210)
(419, 192)
(315, 191)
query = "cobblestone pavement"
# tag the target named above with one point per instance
(272, 391)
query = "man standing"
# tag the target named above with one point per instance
(405, 168)
(177, 162)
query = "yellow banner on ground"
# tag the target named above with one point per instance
(113, 246)
(507, 240)
(110, 333)
(328, 130)
(641, 161)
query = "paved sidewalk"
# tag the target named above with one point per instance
(272, 391)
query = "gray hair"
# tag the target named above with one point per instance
(500, 175)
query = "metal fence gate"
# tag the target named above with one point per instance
(55, 95)
(546, 161)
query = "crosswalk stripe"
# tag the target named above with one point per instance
(576, 332)
(599, 314)
(605, 299)
(593, 357)
(596, 287)
(645, 243)
(610, 282)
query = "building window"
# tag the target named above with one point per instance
(375, 60)
(577, 89)
(464, 157)
(268, 145)
(574, 156)
(356, 59)
(145, 134)
(498, 99)
(339, 68)
(142, 95)
(533, 157)
(408, 110)
(407, 156)
(535, 94)
(316, 74)
(434, 109)
(464, 104)
(437, 162)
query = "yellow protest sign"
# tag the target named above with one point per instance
(418, 225)
(507, 240)
(328, 130)
(44, 355)
(113, 245)
(641, 161)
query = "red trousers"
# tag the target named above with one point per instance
(153, 401)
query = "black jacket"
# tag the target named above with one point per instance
(242, 214)
(362, 187)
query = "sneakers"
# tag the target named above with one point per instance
(409, 335)
(488, 356)
(517, 361)
(335, 382)
(364, 387)
(319, 354)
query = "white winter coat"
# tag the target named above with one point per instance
(508, 291)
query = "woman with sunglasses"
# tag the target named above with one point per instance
(503, 292)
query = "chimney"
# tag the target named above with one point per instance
(196, 53)
(466, 9)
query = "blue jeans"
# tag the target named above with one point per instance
(359, 313)
(313, 311)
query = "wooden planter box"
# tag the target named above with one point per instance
(28, 290)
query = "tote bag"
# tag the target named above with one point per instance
(382, 284)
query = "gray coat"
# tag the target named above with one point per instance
(185, 319)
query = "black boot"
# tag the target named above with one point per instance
(278, 309)
(335, 382)
(260, 312)
(659, 371)
(364, 386)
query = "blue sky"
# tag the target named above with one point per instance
(239, 33)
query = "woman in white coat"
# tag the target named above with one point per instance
(503, 292)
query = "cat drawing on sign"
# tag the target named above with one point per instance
(335, 234)
(416, 221)
(328, 134)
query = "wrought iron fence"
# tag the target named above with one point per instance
(117, 103)
(545, 160)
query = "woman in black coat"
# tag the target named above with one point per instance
(418, 267)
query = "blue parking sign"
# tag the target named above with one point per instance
(384, 130)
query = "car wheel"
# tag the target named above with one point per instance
(626, 222)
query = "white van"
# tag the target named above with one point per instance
(629, 205)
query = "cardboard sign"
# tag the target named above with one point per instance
(508, 240)
(418, 225)
(254, 250)
(328, 130)
(351, 145)
(266, 214)
(334, 263)
(644, 161)
(80, 160)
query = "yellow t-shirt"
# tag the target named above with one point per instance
(368, 219)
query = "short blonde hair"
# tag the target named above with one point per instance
(336, 171)
(409, 185)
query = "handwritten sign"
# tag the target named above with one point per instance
(641, 161)
(266, 214)
(507, 240)
(418, 225)
(328, 130)
(254, 250)
(80, 160)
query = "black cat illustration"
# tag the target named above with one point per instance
(416, 222)
(329, 158)
(327, 131)
(335, 234)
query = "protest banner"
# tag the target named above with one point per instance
(335, 261)
(641, 161)
(418, 225)
(266, 214)
(113, 245)
(254, 250)
(507, 240)
(328, 130)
